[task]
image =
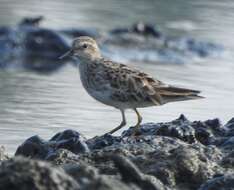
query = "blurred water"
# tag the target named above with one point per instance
(33, 104)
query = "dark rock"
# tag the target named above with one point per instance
(209, 132)
(187, 166)
(139, 28)
(32, 47)
(99, 142)
(130, 148)
(45, 43)
(230, 127)
(228, 160)
(203, 133)
(35, 147)
(70, 140)
(89, 178)
(147, 129)
(180, 154)
(131, 174)
(61, 157)
(227, 139)
(225, 182)
(24, 174)
(174, 162)
(81, 171)
(215, 123)
(146, 30)
(180, 128)
(228, 144)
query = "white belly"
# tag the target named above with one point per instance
(100, 95)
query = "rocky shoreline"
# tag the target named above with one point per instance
(174, 155)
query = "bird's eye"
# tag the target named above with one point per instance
(85, 46)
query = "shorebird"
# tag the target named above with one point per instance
(119, 85)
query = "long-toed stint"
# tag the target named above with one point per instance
(119, 85)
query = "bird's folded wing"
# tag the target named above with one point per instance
(128, 83)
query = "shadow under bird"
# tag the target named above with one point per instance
(119, 85)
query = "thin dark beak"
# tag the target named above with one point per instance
(67, 54)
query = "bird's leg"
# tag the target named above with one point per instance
(139, 120)
(123, 123)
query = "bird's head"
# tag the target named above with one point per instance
(83, 48)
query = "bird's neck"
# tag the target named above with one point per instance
(89, 58)
(87, 64)
(87, 68)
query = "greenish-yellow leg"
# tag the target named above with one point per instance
(139, 120)
(123, 123)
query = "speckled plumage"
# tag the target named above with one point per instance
(119, 85)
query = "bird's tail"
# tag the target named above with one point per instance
(172, 94)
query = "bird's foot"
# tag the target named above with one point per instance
(136, 131)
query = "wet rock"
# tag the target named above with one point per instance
(70, 140)
(22, 174)
(174, 162)
(203, 134)
(228, 160)
(99, 142)
(146, 30)
(83, 173)
(194, 166)
(144, 130)
(89, 178)
(226, 138)
(140, 28)
(230, 127)
(208, 132)
(228, 144)
(130, 148)
(186, 166)
(61, 157)
(180, 128)
(131, 174)
(180, 154)
(35, 147)
(44, 42)
(225, 182)
(29, 46)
